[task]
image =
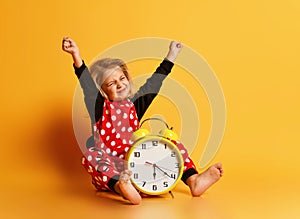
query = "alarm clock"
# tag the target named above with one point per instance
(155, 161)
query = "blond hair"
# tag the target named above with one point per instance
(102, 66)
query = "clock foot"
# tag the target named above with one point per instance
(199, 183)
(171, 193)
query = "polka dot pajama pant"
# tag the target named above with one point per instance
(103, 166)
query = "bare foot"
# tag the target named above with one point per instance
(126, 189)
(199, 183)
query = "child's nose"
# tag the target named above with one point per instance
(118, 84)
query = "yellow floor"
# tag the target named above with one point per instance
(49, 193)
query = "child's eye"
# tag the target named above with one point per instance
(123, 77)
(110, 84)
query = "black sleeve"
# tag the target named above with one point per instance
(92, 97)
(145, 95)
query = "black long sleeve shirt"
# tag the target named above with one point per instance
(141, 100)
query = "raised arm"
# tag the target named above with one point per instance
(92, 98)
(146, 94)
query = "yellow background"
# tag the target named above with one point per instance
(252, 46)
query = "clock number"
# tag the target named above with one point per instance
(137, 154)
(173, 154)
(176, 165)
(166, 184)
(143, 146)
(155, 143)
(154, 187)
(135, 176)
(166, 146)
(132, 164)
(144, 183)
(173, 175)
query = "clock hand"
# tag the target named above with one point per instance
(154, 170)
(155, 166)
(147, 162)
(162, 171)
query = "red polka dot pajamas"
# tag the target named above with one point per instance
(114, 122)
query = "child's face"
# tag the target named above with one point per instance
(116, 85)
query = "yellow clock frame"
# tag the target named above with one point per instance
(142, 135)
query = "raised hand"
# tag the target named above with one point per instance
(69, 46)
(174, 49)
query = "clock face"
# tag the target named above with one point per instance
(156, 165)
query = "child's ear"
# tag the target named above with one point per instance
(103, 94)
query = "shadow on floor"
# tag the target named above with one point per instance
(61, 151)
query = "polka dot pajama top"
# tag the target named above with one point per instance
(114, 122)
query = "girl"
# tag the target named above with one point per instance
(115, 113)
